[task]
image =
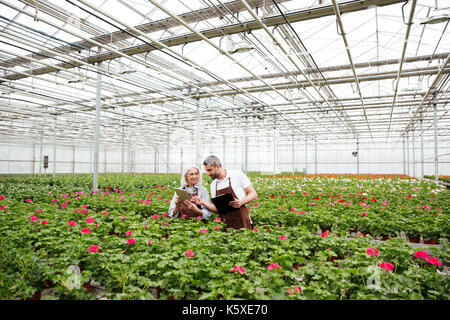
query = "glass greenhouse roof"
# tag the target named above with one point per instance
(359, 70)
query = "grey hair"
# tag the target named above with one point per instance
(212, 161)
(183, 180)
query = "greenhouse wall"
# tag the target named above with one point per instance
(330, 157)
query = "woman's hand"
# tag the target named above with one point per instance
(177, 200)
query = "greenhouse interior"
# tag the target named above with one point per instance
(331, 115)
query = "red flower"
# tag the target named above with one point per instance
(387, 265)
(189, 253)
(129, 233)
(90, 220)
(283, 237)
(272, 196)
(131, 241)
(372, 252)
(33, 218)
(72, 223)
(238, 268)
(324, 234)
(93, 248)
(85, 230)
(421, 254)
(44, 222)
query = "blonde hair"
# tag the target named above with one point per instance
(183, 180)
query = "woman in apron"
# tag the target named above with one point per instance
(190, 182)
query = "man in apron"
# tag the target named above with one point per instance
(229, 181)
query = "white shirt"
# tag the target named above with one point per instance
(239, 181)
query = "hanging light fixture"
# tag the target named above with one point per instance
(436, 19)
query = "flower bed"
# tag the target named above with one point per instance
(300, 248)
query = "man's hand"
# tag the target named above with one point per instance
(197, 200)
(236, 203)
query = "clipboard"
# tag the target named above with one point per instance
(221, 203)
(183, 195)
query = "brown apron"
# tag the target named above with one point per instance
(184, 209)
(235, 219)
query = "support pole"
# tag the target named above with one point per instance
(315, 156)
(407, 153)
(274, 152)
(123, 147)
(246, 146)
(306, 155)
(357, 156)
(293, 155)
(413, 155)
(198, 141)
(54, 151)
(404, 159)
(40, 156)
(97, 129)
(181, 159)
(168, 153)
(421, 148)
(436, 171)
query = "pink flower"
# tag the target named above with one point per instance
(85, 230)
(217, 228)
(273, 265)
(165, 214)
(199, 218)
(44, 222)
(54, 200)
(387, 265)
(238, 268)
(364, 214)
(281, 208)
(324, 234)
(293, 209)
(139, 201)
(149, 242)
(294, 291)
(38, 210)
(33, 218)
(145, 226)
(28, 200)
(255, 204)
(90, 220)
(64, 205)
(84, 210)
(283, 237)
(148, 201)
(2, 197)
(105, 212)
(122, 217)
(255, 229)
(84, 206)
(189, 253)
(372, 252)
(421, 254)
(165, 223)
(76, 211)
(93, 248)
(203, 231)
(129, 233)
(131, 241)
(72, 223)
(434, 261)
